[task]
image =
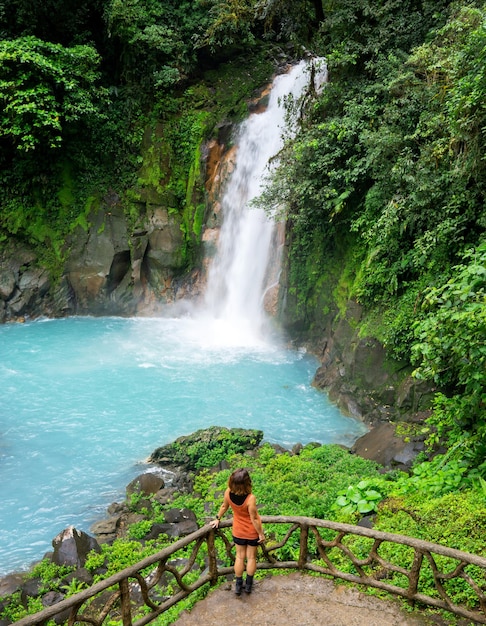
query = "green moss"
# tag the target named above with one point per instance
(82, 220)
(66, 194)
(342, 292)
(372, 324)
(193, 220)
(207, 447)
(322, 280)
(154, 157)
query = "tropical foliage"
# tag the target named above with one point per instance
(45, 86)
(451, 351)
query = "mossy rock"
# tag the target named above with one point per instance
(206, 447)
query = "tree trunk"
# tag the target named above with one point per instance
(319, 11)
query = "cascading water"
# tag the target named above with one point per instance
(237, 276)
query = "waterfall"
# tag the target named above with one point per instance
(239, 273)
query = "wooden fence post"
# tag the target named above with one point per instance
(213, 565)
(125, 602)
(303, 551)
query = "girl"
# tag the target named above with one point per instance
(247, 526)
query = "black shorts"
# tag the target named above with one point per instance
(246, 542)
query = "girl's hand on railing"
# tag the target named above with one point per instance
(214, 523)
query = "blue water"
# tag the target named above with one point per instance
(85, 400)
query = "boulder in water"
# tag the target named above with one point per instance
(10, 584)
(146, 484)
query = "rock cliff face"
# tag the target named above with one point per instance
(117, 264)
(109, 268)
(113, 268)
(361, 378)
(26, 288)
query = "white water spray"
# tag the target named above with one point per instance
(238, 273)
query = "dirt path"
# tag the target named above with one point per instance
(297, 600)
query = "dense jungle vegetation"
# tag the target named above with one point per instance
(383, 188)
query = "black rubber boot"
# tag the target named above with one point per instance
(248, 584)
(239, 585)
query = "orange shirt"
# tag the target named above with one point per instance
(242, 525)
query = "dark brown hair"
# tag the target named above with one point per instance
(240, 482)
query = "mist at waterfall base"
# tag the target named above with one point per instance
(85, 400)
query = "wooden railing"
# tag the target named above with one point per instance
(426, 574)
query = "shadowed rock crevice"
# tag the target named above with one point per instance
(120, 267)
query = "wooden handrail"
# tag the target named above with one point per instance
(122, 595)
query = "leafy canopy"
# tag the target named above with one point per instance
(451, 351)
(43, 88)
(155, 40)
